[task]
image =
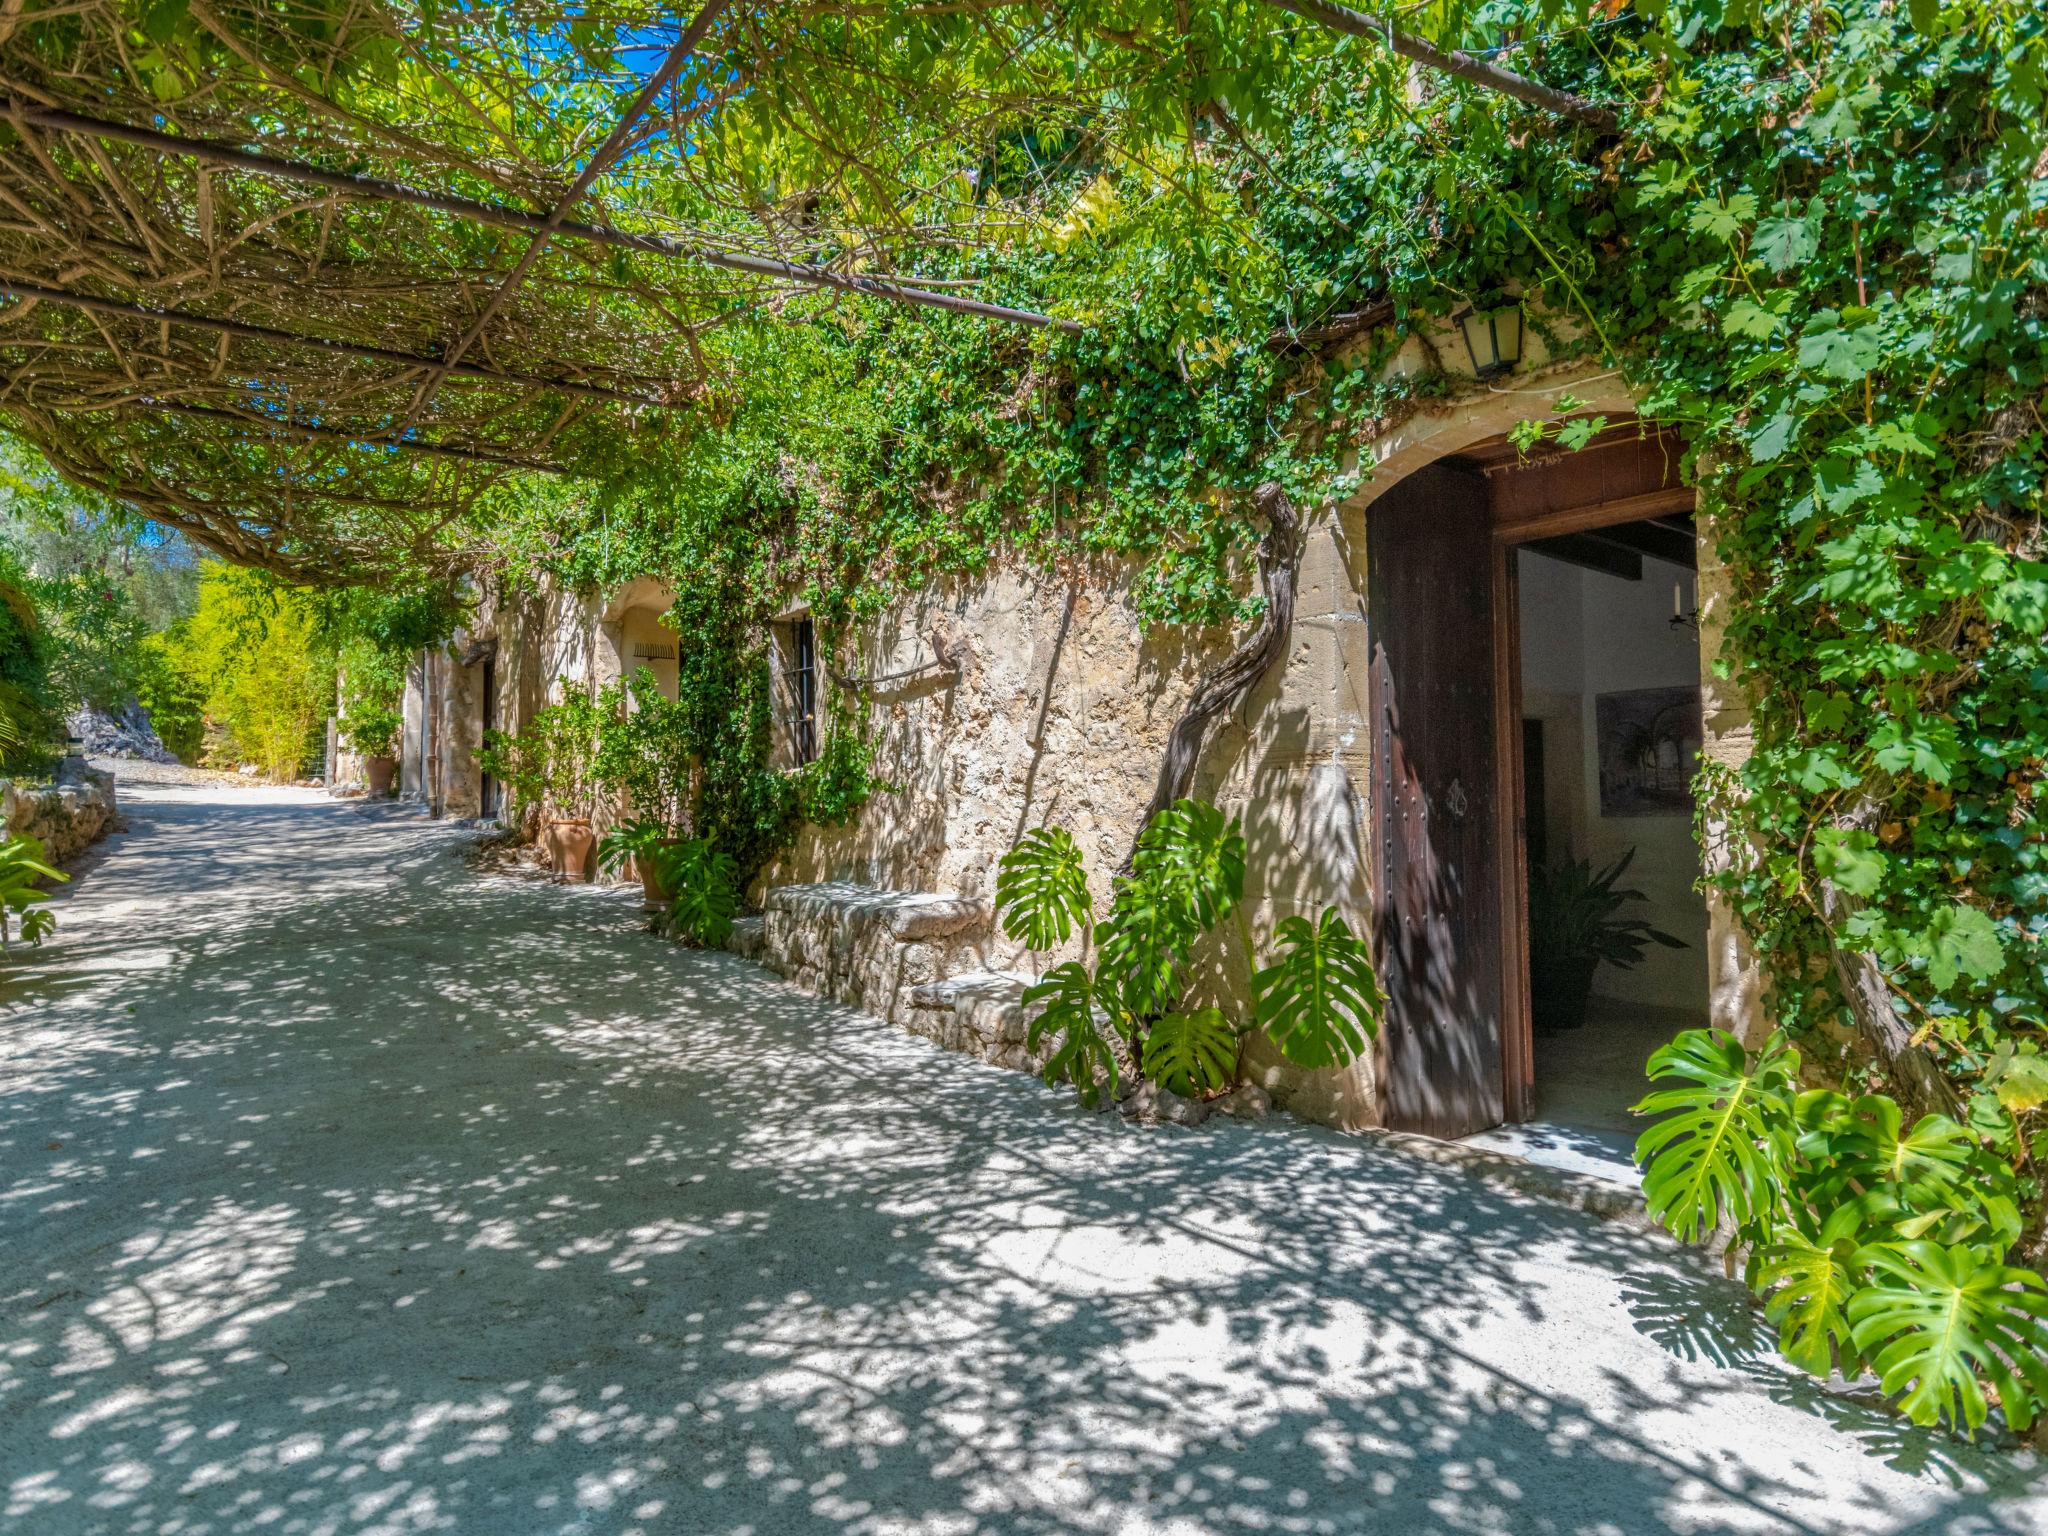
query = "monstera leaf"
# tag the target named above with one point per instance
(21, 866)
(1192, 1053)
(1927, 1180)
(1042, 890)
(1189, 854)
(1145, 941)
(706, 891)
(1320, 1001)
(1080, 1054)
(1715, 1150)
(1935, 1319)
(1809, 1281)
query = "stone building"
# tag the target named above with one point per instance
(1493, 656)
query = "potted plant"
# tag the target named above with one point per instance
(372, 733)
(1575, 923)
(372, 685)
(645, 842)
(567, 734)
(643, 749)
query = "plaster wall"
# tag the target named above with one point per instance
(1584, 634)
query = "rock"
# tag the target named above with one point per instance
(1154, 1105)
(1247, 1101)
(747, 936)
(127, 733)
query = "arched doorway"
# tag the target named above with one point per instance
(1452, 764)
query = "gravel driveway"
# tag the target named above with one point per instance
(344, 1190)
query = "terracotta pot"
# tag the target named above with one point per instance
(380, 771)
(651, 883)
(571, 841)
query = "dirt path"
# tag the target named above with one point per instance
(345, 1192)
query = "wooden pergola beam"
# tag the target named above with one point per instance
(504, 216)
(264, 333)
(1452, 61)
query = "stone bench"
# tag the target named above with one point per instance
(865, 947)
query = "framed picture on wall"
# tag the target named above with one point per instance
(1649, 746)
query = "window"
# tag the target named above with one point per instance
(797, 676)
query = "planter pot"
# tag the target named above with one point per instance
(1558, 990)
(570, 842)
(380, 771)
(651, 885)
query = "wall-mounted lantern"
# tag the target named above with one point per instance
(1493, 337)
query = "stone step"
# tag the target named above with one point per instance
(906, 914)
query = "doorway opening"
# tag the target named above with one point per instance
(1608, 669)
(487, 791)
(1471, 789)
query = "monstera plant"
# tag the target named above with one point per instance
(22, 870)
(1319, 1001)
(1877, 1247)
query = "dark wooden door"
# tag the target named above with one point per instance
(1438, 863)
(488, 791)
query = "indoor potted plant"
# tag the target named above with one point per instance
(1575, 923)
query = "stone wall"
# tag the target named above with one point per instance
(68, 816)
(1021, 698)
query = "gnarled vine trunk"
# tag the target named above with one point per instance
(1916, 1077)
(1231, 680)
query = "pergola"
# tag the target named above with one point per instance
(314, 283)
(314, 307)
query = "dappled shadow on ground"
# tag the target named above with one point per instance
(342, 1190)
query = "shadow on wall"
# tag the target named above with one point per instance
(345, 1191)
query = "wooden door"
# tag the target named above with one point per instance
(1438, 863)
(488, 790)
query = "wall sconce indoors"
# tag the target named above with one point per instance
(1683, 618)
(1493, 337)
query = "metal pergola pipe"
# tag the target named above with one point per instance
(504, 216)
(96, 305)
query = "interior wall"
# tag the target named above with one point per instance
(1585, 633)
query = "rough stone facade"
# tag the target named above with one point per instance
(68, 815)
(1020, 698)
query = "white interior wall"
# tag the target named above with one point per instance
(1585, 633)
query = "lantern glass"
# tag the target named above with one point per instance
(1493, 338)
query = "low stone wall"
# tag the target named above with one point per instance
(870, 948)
(68, 815)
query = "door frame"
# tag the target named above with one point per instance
(1627, 473)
